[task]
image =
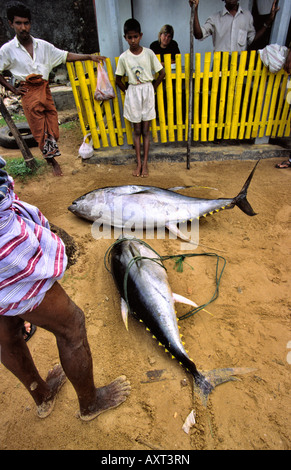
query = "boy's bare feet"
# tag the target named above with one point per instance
(136, 172)
(55, 380)
(145, 172)
(107, 397)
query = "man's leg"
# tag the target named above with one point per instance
(59, 314)
(36, 107)
(52, 129)
(16, 357)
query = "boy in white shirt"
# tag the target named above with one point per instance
(139, 64)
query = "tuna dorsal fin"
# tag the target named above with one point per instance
(183, 300)
(124, 312)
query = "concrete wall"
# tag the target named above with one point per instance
(153, 14)
(176, 13)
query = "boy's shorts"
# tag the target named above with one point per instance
(139, 103)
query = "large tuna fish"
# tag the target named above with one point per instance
(150, 207)
(145, 291)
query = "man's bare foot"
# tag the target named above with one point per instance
(107, 398)
(55, 380)
(56, 167)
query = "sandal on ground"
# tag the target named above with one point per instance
(28, 334)
(285, 164)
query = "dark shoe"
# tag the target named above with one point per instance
(28, 334)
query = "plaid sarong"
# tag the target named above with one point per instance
(32, 257)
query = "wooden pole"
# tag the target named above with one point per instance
(190, 110)
(27, 155)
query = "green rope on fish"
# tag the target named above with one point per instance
(134, 260)
(120, 240)
(179, 263)
(180, 259)
(218, 275)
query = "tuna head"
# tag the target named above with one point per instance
(89, 206)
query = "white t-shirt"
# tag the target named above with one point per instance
(14, 57)
(138, 68)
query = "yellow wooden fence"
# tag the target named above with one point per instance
(234, 97)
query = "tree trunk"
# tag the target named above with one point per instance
(27, 155)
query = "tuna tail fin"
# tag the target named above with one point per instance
(241, 199)
(206, 381)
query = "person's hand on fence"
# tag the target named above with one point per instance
(98, 58)
(194, 3)
(273, 13)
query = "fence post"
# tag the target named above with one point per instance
(190, 113)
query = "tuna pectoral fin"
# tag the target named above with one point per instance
(124, 312)
(241, 199)
(216, 377)
(183, 300)
(178, 234)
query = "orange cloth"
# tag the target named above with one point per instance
(39, 109)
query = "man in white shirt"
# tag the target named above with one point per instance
(232, 29)
(30, 61)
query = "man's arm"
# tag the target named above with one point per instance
(72, 57)
(197, 28)
(119, 83)
(269, 21)
(21, 90)
(160, 78)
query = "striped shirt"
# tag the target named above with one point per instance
(32, 258)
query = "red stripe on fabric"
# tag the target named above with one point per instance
(34, 290)
(42, 218)
(10, 307)
(15, 306)
(26, 272)
(38, 230)
(15, 242)
(59, 258)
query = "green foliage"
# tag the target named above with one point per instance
(16, 167)
(15, 117)
(69, 125)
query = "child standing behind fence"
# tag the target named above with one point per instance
(138, 64)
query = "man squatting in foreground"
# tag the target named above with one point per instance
(30, 61)
(33, 259)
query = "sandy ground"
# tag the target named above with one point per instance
(249, 325)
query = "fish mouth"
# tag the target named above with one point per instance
(72, 207)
